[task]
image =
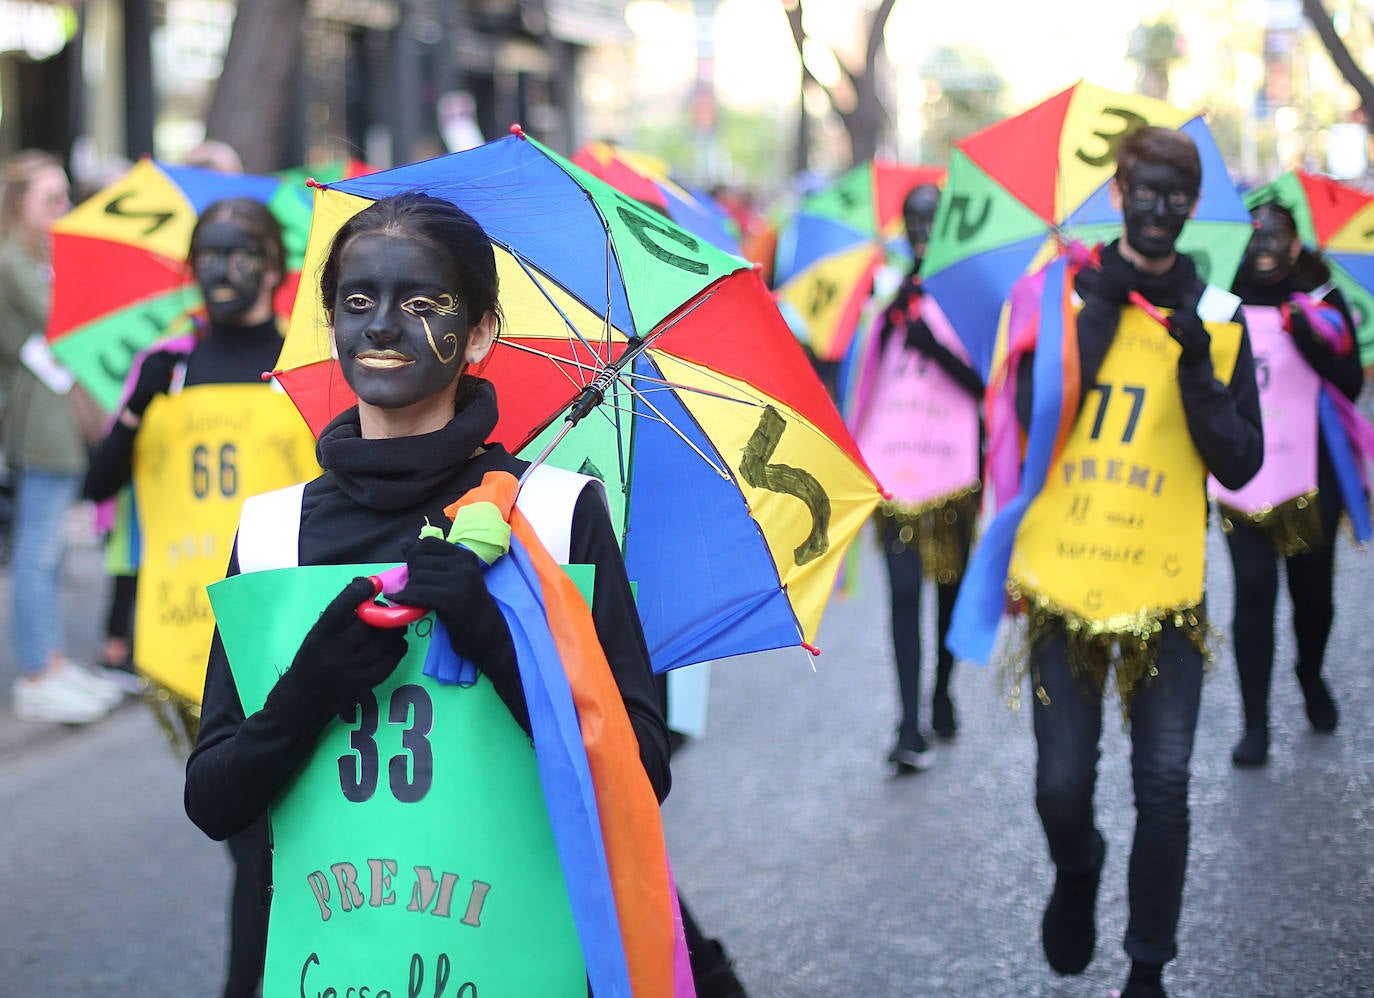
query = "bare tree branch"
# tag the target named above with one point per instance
(1340, 55)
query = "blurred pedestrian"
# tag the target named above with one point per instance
(1303, 336)
(44, 448)
(916, 420)
(197, 432)
(1106, 541)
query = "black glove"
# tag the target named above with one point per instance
(1300, 327)
(340, 660)
(919, 337)
(1111, 283)
(154, 377)
(450, 580)
(1187, 329)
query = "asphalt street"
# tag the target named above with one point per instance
(822, 875)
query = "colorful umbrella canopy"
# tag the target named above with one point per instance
(291, 203)
(120, 278)
(1337, 221)
(839, 237)
(647, 179)
(1020, 190)
(732, 479)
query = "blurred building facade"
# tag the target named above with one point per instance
(387, 81)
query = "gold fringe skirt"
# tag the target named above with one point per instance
(1124, 648)
(1294, 526)
(178, 716)
(940, 531)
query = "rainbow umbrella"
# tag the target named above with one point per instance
(120, 278)
(1337, 221)
(828, 253)
(646, 179)
(291, 202)
(732, 480)
(1019, 191)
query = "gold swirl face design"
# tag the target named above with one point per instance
(423, 306)
(399, 329)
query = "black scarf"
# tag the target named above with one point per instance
(1175, 287)
(402, 472)
(1308, 273)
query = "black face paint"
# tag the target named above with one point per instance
(918, 213)
(229, 265)
(1270, 256)
(1155, 204)
(399, 325)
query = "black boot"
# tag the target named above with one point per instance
(1321, 709)
(1069, 928)
(714, 974)
(942, 717)
(1145, 981)
(1252, 749)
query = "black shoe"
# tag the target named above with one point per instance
(1321, 709)
(714, 974)
(1069, 928)
(942, 717)
(1252, 749)
(911, 755)
(1145, 981)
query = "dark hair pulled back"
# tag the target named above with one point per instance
(439, 223)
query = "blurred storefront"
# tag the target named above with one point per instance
(104, 81)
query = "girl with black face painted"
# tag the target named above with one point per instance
(410, 290)
(929, 538)
(1302, 531)
(213, 377)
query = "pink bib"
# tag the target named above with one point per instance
(917, 428)
(1288, 390)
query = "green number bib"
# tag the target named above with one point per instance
(413, 853)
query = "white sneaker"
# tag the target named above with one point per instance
(50, 698)
(102, 691)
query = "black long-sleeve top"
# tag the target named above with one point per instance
(1308, 274)
(897, 319)
(224, 355)
(1224, 420)
(369, 506)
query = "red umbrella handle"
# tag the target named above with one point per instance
(378, 615)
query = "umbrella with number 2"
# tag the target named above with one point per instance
(640, 354)
(828, 254)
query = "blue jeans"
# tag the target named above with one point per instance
(41, 501)
(1163, 721)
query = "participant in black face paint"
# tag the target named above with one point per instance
(410, 288)
(925, 536)
(1301, 531)
(237, 260)
(1158, 660)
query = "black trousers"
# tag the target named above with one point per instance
(248, 910)
(904, 577)
(1163, 719)
(1256, 569)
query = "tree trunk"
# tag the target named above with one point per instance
(802, 156)
(867, 123)
(1340, 55)
(249, 109)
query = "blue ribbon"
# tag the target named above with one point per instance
(1343, 460)
(983, 593)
